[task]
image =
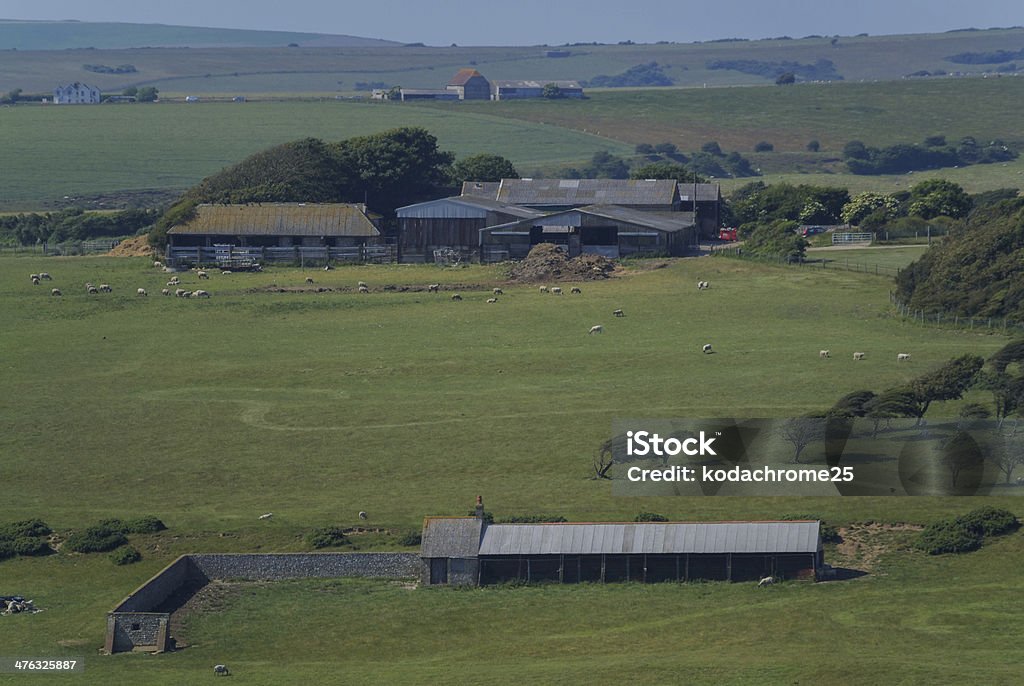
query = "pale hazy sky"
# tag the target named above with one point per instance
(529, 22)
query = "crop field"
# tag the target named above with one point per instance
(403, 403)
(172, 146)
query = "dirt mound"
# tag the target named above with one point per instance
(547, 263)
(132, 247)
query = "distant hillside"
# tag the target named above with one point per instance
(61, 35)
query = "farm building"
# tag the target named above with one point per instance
(452, 223)
(470, 84)
(76, 94)
(563, 194)
(467, 551)
(608, 230)
(270, 228)
(517, 90)
(428, 94)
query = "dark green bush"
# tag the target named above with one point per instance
(990, 521)
(327, 537)
(95, 539)
(948, 536)
(125, 556)
(24, 528)
(147, 524)
(650, 517)
(31, 546)
(829, 532)
(488, 516)
(6, 549)
(411, 538)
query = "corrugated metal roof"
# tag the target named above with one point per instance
(534, 84)
(706, 192)
(662, 221)
(463, 206)
(546, 192)
(481, 189)
(650, 537)
(451, 537)
(279, 219)
(464, 75)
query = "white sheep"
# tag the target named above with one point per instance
(363, 515)
(157, 264)
(33, 277)
(498, 291)
(902, 357)
(456, 296)
(91, 289)
(575, 290)
(45, 276)
(702, 285)
(766, 581)
(309, 279)
(492, 300)
(142, 291)
(597, 328)
(55, 291)
(187, 294)
(362, 284)
(363, 289)
(201, 294)
(225, 272)
(556, 291)
(221, 670)
(858, 356)
(543, 289)
(35, 280)
(165, 291)
(824, 354)
(619, 313)
(179, 292)
(266, 515)
(707, 348)
(202, 275)
(105, 287)
(433, 288)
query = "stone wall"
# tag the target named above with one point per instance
(159, 588)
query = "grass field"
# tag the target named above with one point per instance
(172, 146)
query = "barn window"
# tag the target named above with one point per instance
(136, 626)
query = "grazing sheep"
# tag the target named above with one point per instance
(858, 356)
(309, 279)
(187, 294)
(201, 294)
(157, 264)
(35, 280)
(91, 289)
(363, 515)
(575, 290)
(543, 289)
(202, 275)
(55, 291)
(364, 289)
(823, 354)
(619, 313)
(702, 285)
(902, 357)
(498, 291)
(766, 581)
(556, 291)
(433, 288)
(225, 271)
(33, 277)
(362, 284)
(221, 670)
(45, 276)
(707, 348)
(492, 300)
(142, 291)
(456, 296)
(597, 328)
(105, 287)
(165, 291)
(173, 282)
(267, 515)
(179, 293)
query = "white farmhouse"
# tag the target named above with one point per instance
(76, 94)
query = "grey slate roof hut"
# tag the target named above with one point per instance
(643, 551)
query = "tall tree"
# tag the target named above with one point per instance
(948, 382)
(483, 167)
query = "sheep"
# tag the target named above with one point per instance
(142, 291)
(362, 284)
(91, 289)
(766, 581)
(202, 275)
(597, 328)
(456, 296)
(158, 264)
(619, 313)
(543, 289)
(201, 294)
(707, 348)
(433, 288)
(172, 283)
(165, 291)
(364, 289)
(187, 294)
(45, 276)
(902, 357)
(33, 277)
(35, 280)
(556, 291)
(266, 515)
(309, 279)
(492, 300)
(363, 515)
(179, 293)
(498, 291)
(702, 285)
(225, 272)
(105, 287)
(327, 267)
(823, 354)
(858, 356)
(221, 670)
(575, 290)
(55, 291)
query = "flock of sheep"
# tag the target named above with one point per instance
(827, 354)
(92, 289)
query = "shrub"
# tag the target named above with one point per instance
(990, 521)
(829, 532)
(650, 517)
(813, 146)
(948, 536)
(26, 527)
(30, 547)
(488, 516)
(95, 539)
(6, 549)
(327, 537)
(125, 556)
(763, 146)
(411, 538)
(147, 524)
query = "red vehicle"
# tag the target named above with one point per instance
(727, 234)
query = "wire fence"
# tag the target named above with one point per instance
(60, 249)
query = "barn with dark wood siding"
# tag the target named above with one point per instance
(606, 552)
(276, 225)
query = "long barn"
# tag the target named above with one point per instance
(465, 550)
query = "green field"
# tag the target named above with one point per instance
(318, 405)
